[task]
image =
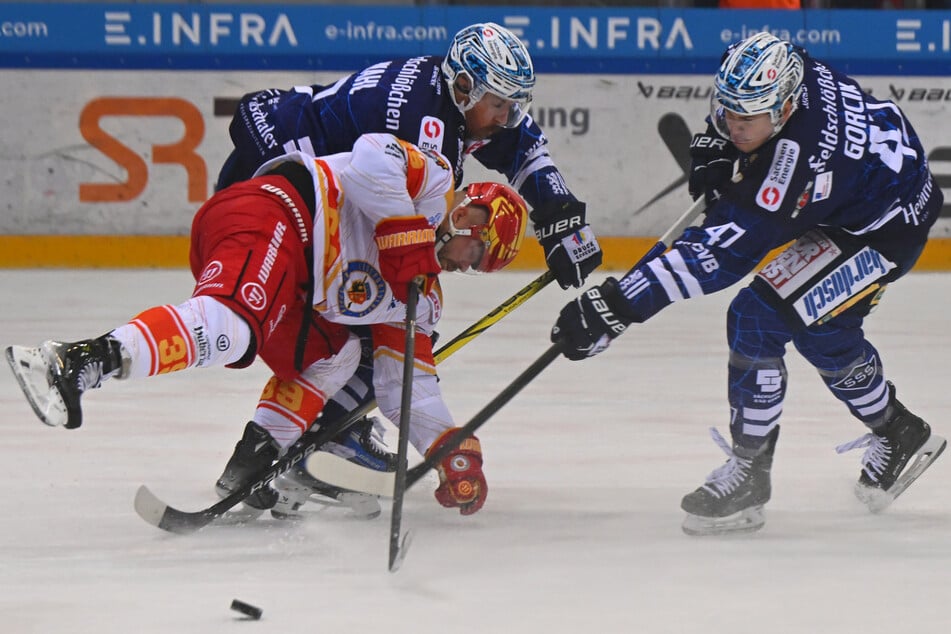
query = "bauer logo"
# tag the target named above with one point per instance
(773, 190)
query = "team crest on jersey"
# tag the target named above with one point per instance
(357, 293)
(362, 290)
(773, 190)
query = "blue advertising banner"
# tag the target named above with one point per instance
(565, 40)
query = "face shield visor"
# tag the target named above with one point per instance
(516, 106)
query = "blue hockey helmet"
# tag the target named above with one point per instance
(759, 75)
(495, 61)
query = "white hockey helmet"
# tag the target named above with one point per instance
(495, 61)
(759, 75)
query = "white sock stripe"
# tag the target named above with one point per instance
(185, 330)
(346, 401)
(306, 145)
(772, 413)
(759, 430)
(874, 408)
(666, 279)
(874, 395)
(677, 264)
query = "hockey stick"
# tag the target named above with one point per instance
(493, 406)
(156, 512)
(676, 136)
(420, 470)
(489, 320)
(398, 548)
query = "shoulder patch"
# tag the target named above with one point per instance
(431, 133)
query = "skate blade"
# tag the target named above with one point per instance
(878, 500)
(32, 372)
(745, 521)
(362, 506)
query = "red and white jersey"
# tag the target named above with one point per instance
(383, 177)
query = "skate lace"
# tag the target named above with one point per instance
(373, 439)
(89, 376)
(876, 455)
(725, 479)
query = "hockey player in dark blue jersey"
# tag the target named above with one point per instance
(474, 101)
(840, 176)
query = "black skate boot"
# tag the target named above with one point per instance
(896, 453)
(255, 452)
(54, 376)
(732, 498)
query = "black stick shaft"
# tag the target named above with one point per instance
(406, 408)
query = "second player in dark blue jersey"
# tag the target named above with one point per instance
(842, 179)
(474, 101)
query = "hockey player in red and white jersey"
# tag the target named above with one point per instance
(284, 263)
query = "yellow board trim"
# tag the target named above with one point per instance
(45, 251)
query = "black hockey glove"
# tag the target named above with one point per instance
(711, 165)
(571, 248)
(587, 325)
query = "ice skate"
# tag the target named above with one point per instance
(255, 452)
(297, 487)
(732, 498)
(896, 454)
(362, 444)
(54, 376)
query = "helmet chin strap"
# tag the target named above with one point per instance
(444, 239)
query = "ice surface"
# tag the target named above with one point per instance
(586, 468)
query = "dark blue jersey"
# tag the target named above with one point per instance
(408, 98)
(844, 163)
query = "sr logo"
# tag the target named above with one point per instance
(181, 152)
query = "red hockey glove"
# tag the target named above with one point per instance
(461, 482)
(407, 248)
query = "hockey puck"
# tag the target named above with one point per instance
(247, 609)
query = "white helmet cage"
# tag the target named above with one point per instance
(759, 75)
(495, 61)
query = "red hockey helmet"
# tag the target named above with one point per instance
(502, 234)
